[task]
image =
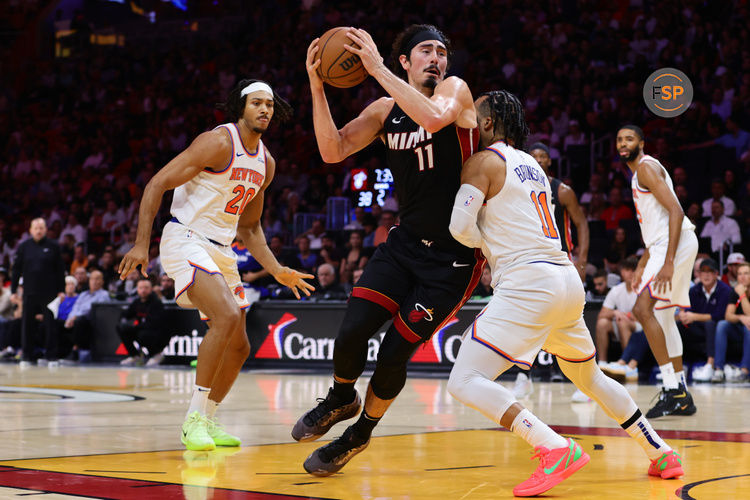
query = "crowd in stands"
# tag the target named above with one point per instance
(83, 134)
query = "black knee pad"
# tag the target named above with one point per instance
(390, 371)
(361, 321)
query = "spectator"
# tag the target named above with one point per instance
(75, 228)
(328, 287)
(369, 226)
(616, 317)
(734, 328)
(12, 341)
(308, 259)
(708, 305)
(78, 327)
(154, 262)
(39, 262)
(6, 306)
(165, 290)
(733, 262)
(387, 221)
(601, 287)
(358, 221)
(721, 228)
(64, 305)
(82, 277)
(80, 259)
(142, 323)
(619, 249)
(616, 211)
(107, 267)
(129, 243)
(114, 218)
(315, 234)
(717, 194)
(356, 257)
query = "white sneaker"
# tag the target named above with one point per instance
(580, 397)
(703, 373)
(631, 374)
(615, 367)
(132, 361)
(718, 376)
(155, 360)
(731, 372)
(602, 364)
(523, 386)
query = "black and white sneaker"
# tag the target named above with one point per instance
(329, 459)
(673, 402)
(320, 419)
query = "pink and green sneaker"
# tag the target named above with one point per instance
(554, 466)
(667, 466)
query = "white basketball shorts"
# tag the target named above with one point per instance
(682, 277)
(185, 252)
(535, 306)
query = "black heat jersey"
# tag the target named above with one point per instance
(426, 172)
(562, 218)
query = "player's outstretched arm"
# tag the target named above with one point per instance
(651, 177)
(479, 181)
(451, 102)
(569, 200)
(210, 149)
(251, 233)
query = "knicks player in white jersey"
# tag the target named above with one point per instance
(663, 276)
(219, 182)
(503, 207)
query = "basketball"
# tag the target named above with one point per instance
(339, 67)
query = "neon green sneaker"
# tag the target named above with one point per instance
(195, 433)
(219, 435)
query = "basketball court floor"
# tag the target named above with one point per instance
(106, 432)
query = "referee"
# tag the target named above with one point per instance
(39, 262)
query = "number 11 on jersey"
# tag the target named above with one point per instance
(542, 209)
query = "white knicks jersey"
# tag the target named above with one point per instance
(516, 224)
(211, 202)
(652, 216)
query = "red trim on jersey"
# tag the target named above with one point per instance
(404, 330)
(567, 233)
(378, 298)
(468, 138)
(231, 158)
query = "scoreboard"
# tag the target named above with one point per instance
(371, 188)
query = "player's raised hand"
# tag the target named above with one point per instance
(294, 280)
(367, 50)
(138, 255)
(312, 65)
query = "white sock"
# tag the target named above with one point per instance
(668, 376)
(646, 436)
(681, 377)
(211, 407)
(199, 399)
(535, 432)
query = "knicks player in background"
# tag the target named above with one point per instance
(537, 303)
(219, 182)
(662, 278)
(420, 276)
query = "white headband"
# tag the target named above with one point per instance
(256, 86)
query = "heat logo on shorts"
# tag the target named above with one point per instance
(419, 313)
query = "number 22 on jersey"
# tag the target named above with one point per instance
(542, 209)
(241, 196)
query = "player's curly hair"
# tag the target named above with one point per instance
(234, 106)
(402, 40)
(508, 118)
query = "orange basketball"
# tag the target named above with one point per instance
(339, 67)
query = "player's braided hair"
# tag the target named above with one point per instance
(508, 119)
(234, 106)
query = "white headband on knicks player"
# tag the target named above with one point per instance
(255, 87)
(463, 226)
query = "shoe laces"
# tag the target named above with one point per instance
(340, 445)
(325, 405)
